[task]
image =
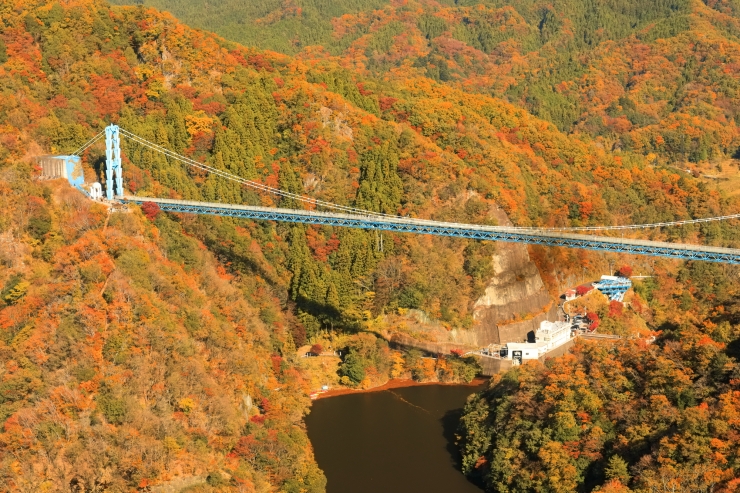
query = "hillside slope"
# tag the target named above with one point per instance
(656, 77)
(135, 346)
(409, 146)
(131, 358)
(627, 416)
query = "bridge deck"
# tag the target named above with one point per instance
(422, 226)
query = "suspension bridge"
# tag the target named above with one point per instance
(347, 216)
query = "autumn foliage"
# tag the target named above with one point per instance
(615, 308)
(409, 144)
(316, 349)
(653, 77)
(583, 289)
(559, 425)
(593, 320)
(139, 345)
(168, 352)
(150, 210)
(633, 415)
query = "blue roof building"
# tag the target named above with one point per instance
(613, 286)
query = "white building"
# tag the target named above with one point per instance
(549, 336)
(553, 334)
(524, 350)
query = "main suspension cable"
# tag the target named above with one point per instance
(249, 183)
(364, 212)
(88, 144)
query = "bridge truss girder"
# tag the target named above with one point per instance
(606, 244)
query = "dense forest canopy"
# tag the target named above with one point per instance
(411, 146)
(623, 417)
(182, 331)
(655, 77)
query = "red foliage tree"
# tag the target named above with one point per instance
(594, 319)
(277, 363)
(317, 349)
(298, 331)
(361, 88)
(615, 308)
(583, 289)
(265, 405)
(386, 103)
(150, 210)
(244, 447)
(625, 271)
(259, 62)
(457, 352)
(108, 94)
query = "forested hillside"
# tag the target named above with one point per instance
(137, 348)
(661, 417)
(409, 147)
(658, 77)
(130, 357)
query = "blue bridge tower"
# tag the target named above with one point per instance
(113, 168)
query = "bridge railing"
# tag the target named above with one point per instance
(474, 231)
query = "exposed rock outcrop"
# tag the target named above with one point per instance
(515, 301)
(513, 305)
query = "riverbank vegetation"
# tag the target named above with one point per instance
(369, 362)
(628, 416)
(140, 348)
(365, 360)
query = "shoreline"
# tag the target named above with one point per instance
(395, 383)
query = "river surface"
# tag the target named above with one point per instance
(392, 441)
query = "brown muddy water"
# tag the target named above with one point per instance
(393, 441)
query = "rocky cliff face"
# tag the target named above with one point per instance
(513, 305)
(515, 301)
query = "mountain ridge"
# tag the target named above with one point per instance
(633, 76)
(122, 293)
